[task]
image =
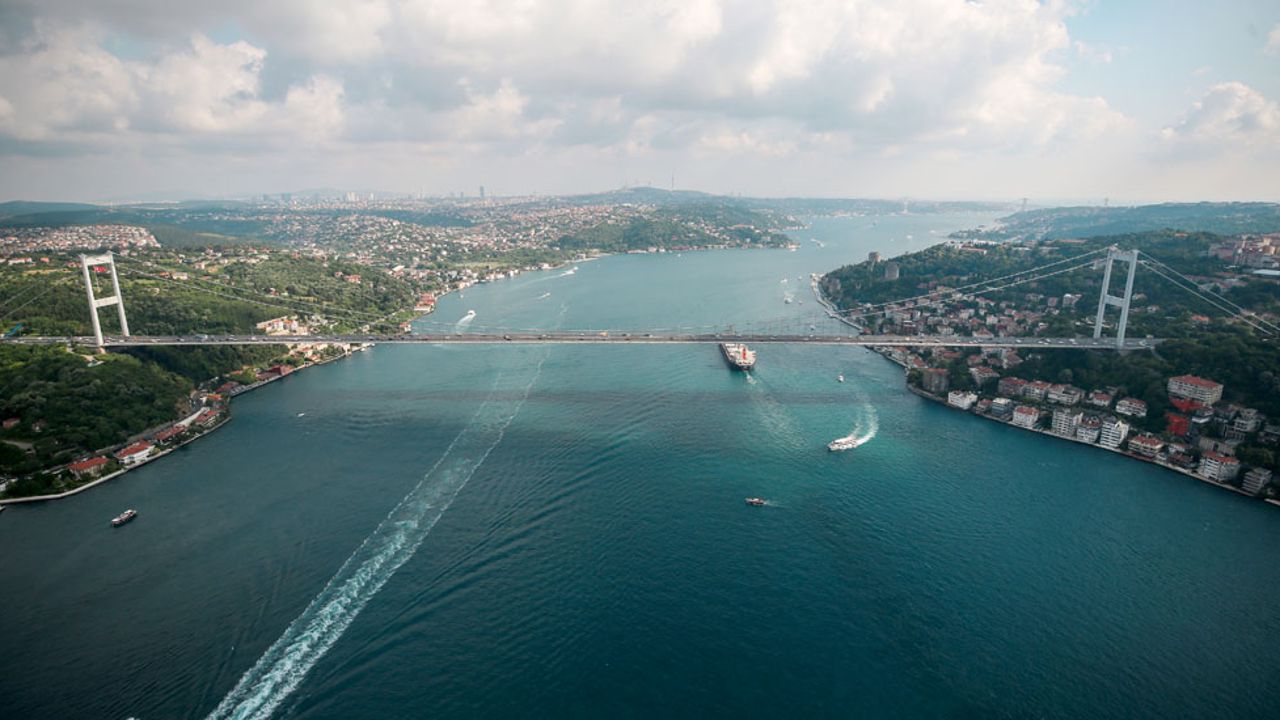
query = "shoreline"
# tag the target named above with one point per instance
(114, 475)
(884, 352)
(237, 392)
(1123, 453)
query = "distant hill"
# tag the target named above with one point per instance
(1068, 222)
(24, 207)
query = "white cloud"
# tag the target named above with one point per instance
(62, 84)
(210, 88)
(66, 88)
(314, 110)
(1273, 41)
(1230, 116)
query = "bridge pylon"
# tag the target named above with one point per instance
(1106, 298)
(117, 299)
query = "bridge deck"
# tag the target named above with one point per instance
(596, 338)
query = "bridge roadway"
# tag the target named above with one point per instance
(597, 337)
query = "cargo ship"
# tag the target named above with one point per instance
(739, 356)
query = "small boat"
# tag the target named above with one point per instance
(844, 443)
(755, 502)
(840, 377)
(124, 517)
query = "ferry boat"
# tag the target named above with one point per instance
(739, 356)
(840, 377)
(845, 443)
(124, 517)
(755, 502)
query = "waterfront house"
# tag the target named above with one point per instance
(1026, 416)
(1195, 388)
(1218, 467)
(1114, 431)
(1001, 408)
(1089, 428)
(170, 433)
(1255, 480)
(91, 467)
(961, 399)
(135, 453)
(1146, 445)
(1132, 407)
(207, 418)
(1066, 421)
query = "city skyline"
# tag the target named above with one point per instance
(1056, 101)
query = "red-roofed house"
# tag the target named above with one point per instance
(1196, 388)
(1146, 445)
(1178, 425)
(88, 468)
(135, 453)
(1133, 407)
(170, 433)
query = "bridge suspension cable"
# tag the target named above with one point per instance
(47, 289)
(962, 288)
(1231, 309)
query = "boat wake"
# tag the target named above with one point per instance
(280, 670)
(864, 429)
(570, 271)
(544, 296)
(465, 320)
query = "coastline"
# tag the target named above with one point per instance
(114, 475)
(235, 393)
(883, 352)
(1117, 451)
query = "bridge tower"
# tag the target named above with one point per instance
(95, 261)
(1128, 256)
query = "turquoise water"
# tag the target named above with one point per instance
(559, 531)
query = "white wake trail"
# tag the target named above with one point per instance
(309, 637)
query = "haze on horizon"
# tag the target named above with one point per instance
(946, 99)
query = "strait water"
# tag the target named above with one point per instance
(552, 531)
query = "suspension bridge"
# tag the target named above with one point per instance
(847, 328)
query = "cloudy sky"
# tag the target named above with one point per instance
(1134, 100)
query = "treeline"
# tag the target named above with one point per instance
(66, 407)
(1066, 222)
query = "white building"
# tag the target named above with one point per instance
(1064, 394)
(1114, 431)
(1256, 479)
(1195, 388)
(1218, 467)
(1025, 416)
(1132, 407)
(1089, 429)
(1066, 421)
(961, 399)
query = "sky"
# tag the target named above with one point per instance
(1056, 101)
